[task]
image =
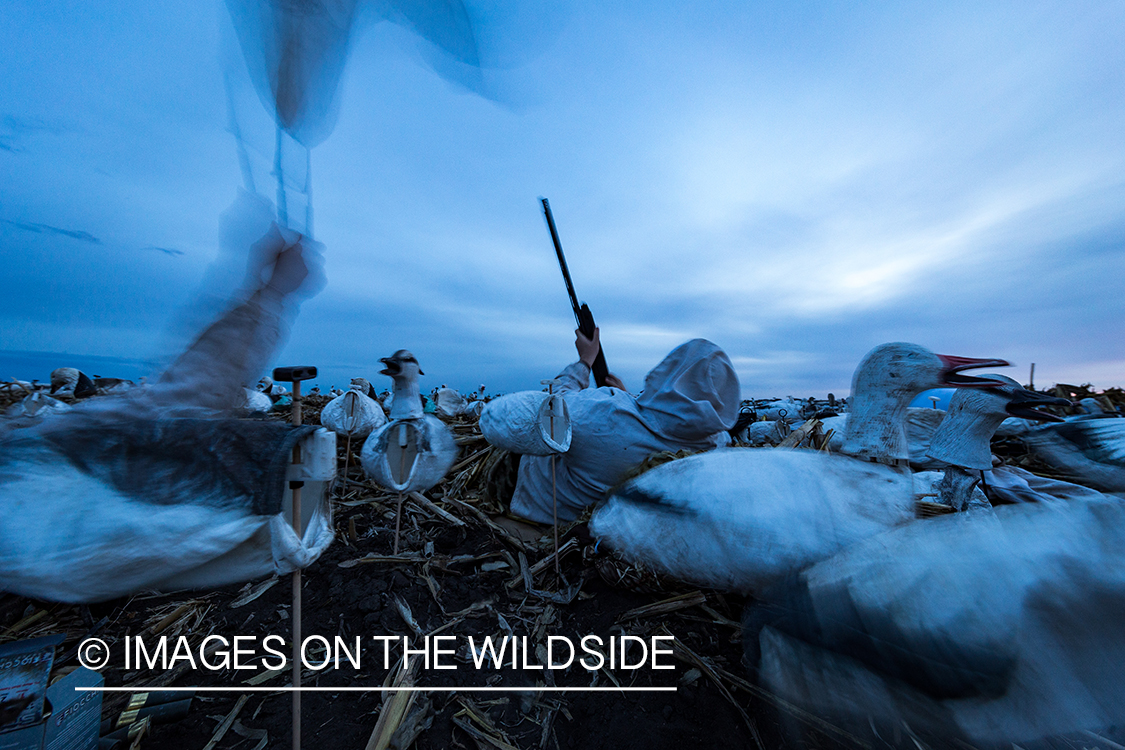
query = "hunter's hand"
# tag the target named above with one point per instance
(615, 382)
(587, 348)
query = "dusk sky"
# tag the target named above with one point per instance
(797, 182)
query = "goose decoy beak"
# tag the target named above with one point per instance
(1023, 403)
(954, 366)
(395, 362)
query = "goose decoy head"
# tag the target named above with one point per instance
(265, 385)
(887, 380)
(1023, 403)
(911, 368)
(964, 436)
(72, 379)
(63, 377)
(363, 385)
(401, 363)
(1008, 399)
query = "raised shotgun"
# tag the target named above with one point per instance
(582, 314)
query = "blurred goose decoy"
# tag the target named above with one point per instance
(156, 487)
(38, 405)
(741, 518)
(994, 630)
(112, 385)
(920, 424)
(413, 451)
(1089, 452)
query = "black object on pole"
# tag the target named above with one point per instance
(582, 315)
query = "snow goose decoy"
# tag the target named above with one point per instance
(413, 451)
(157, 488)
(69, 380)
(741, 518)
(353, 414)
(15, 387)
(996, 630)
(1090, 452)
(266, 386)
(449, 402)
(1091, 409)
(962, 441)
(256, 401)
(37, 405)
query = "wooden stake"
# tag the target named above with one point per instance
(297, 580)
(555, 508)
(554, 495)
(347, 455)
(402, 441)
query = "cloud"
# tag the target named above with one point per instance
(796, 183)
(47, 229)
(165, 250)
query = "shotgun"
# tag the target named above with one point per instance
(582, 315)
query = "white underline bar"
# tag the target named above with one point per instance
(415, 689)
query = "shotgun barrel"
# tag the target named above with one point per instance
(582, 315)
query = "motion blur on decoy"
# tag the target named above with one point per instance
(174, 491)
(741, 518)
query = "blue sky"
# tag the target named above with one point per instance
(797, 182)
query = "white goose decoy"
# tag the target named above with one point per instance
(265, 385)
(741, 518)
(413, 451)
(156, 487)
(15, 387)
(256, 400)
(920, 425)
(995, 630)
(448, 402)
(1089, 452)
(767, 431)
(788, 409)
(69, 380)
(355, 413)
(963, 439)
(1091, 409)
(38, 404)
